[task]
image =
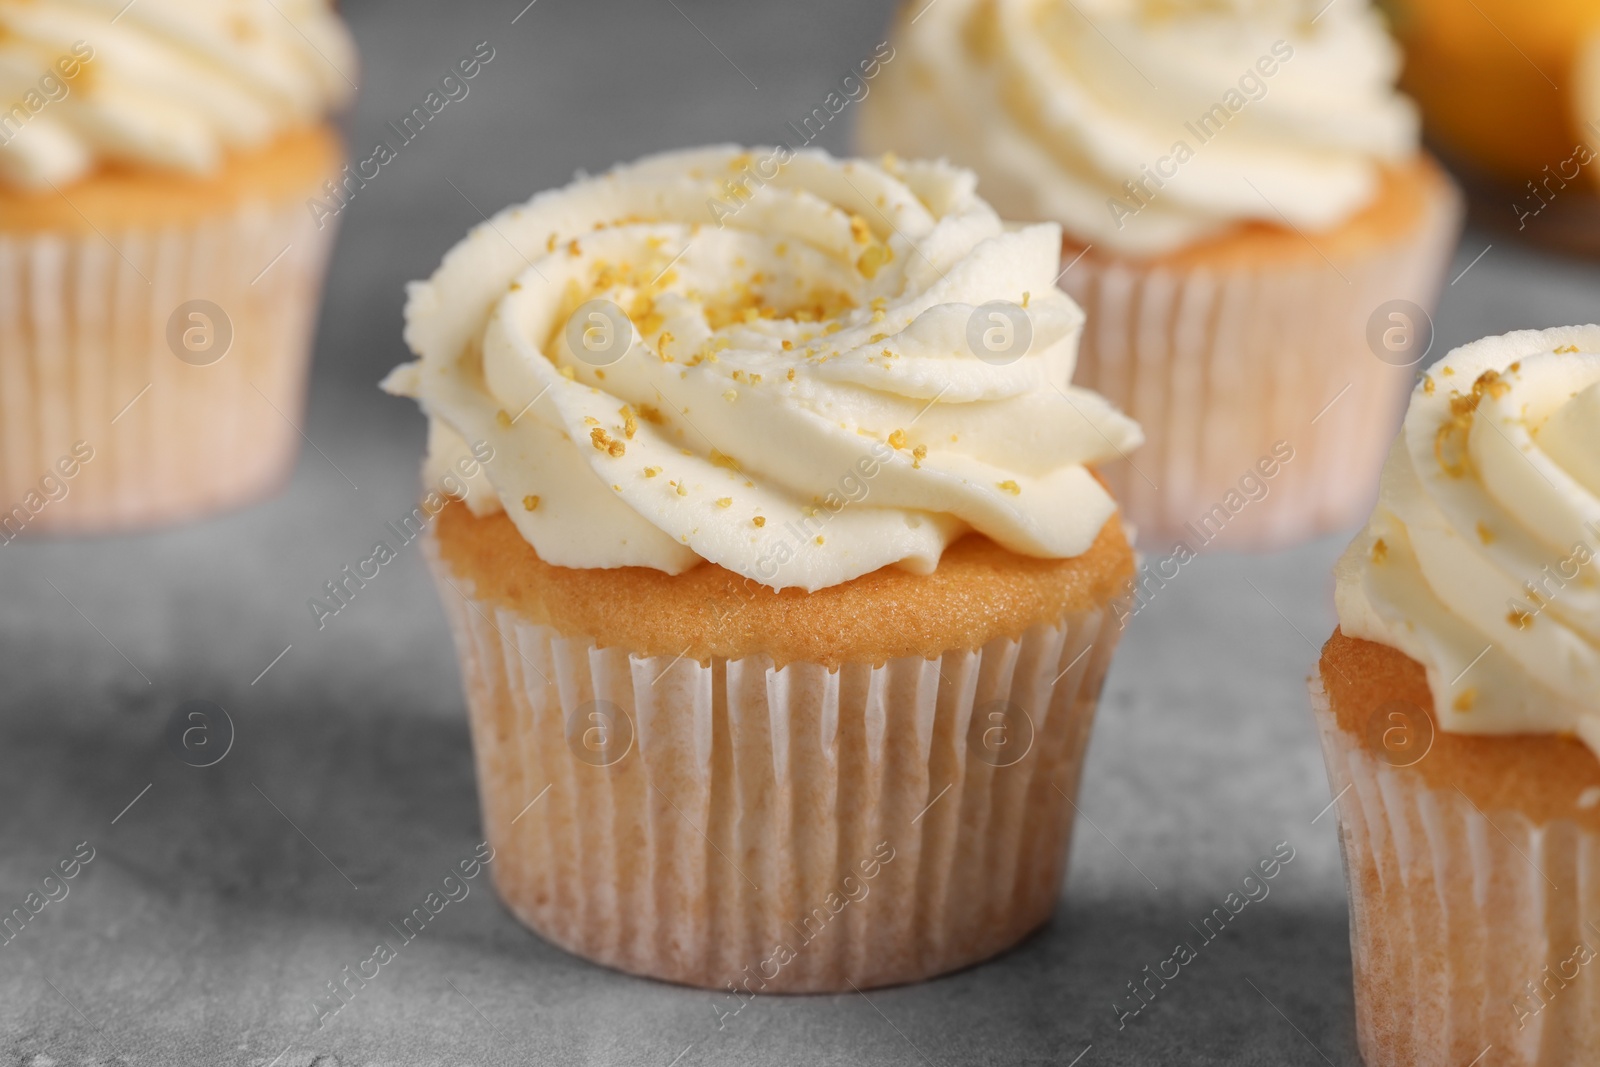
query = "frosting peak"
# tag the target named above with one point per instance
(1143, 125)
(1479, 562)
(159, 83)
(798, 368)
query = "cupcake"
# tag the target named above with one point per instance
(1246, 213)
(765, 518)
(1510, 94)
(1459, 708)
(166, 210)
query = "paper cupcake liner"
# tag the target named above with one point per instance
(1220, 363)
(777, 830)
(1468, 929)
(86, 357)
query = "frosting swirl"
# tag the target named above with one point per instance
(159, 83)
(1478, 562)
(792, 394)
(1144, 125)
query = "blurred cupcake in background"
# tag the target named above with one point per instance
(783, 587)
(1510, 96)
(1250, 229)
(1459, 711)
(160, 265)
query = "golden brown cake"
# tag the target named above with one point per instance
(1256, 343)
(872, 777)
(782, 585)
(1457, 711)
(159, 284)
(1255, 239)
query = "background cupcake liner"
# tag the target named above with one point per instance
(85, 355)
(1219, 363)
(744, 796)
(1463, 931)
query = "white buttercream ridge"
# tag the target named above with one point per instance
(1480, 560)
(859, 366)
(172, 84)
(1191, 117)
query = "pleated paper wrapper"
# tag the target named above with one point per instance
(777, 830)
(1465, 925)
(1220, 363)
(85, 357)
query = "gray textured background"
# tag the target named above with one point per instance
(206, 925)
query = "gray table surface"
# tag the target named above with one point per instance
(209, 922)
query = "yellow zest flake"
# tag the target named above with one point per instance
(875, 338)
(604, 442)
(738, 375)
(1465, 701)
(1565, 349)
(730, 395)
(680, 487)
(721, 459)
(1427, 385)
(651, 472)
(650, 414)
(1026, 296)
(820, 541)
(725, 502)
(600, 374)
(918, 454)
(516, 287)
(616, 488)
(503, 419)
(590, 420)
(573, 248)
(1448, 372)
(791, 374)
(860, 230)
(630, 421)
(1485, 534)
(897, 440)
(874, 259)
(662, 342)
(550, 245)
(530, 503)
(569, 374)
(788, 346)
(1380, 550)
(759, 520)
(1515, 367)
(1520, 619)
(782, 248)
(1011, 487)
(1489, 382)
(1450, 443)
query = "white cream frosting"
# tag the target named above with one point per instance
(1058, 103)
(160, 83)
(1478, 562)
(805, 364)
